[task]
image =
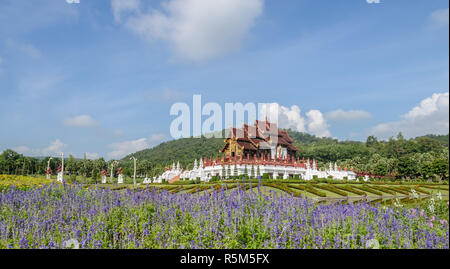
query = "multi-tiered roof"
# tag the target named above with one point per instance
(257, 140)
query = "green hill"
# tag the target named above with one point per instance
(184, 150)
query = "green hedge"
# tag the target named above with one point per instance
(418, 189)
(350, 189)
(398, 189)
(311, 189)
(383, 189)
(367, 189)
(331, 189)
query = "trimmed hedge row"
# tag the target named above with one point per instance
(284, 188)
(434, 187)
(383, 189)
(367, 189)
(418, 189)
(311, 189)
(399, 190)
(349, 188)
(332, 189)
(302, 188)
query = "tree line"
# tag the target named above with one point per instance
(422, 157)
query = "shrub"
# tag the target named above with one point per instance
(418, 189)
(367, 189)
(332, 189)
(300, 187)
(383, 189)
(399, 189)
(72, 178)
(350, 189)
(312, 190)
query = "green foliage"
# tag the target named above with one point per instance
(331, 188)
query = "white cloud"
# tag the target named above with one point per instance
(196, 29)
(373, 1)
(92, 156)
(286, 118)
(430, 117)
(80, 121)
(429, 106)
(156, 139)
(124, 6)
(440, 17)
(24, 150)
(55, 148)
(122, 149)
(317, 124)
(350, 115)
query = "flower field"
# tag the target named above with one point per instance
(21, 182)
(50, 216)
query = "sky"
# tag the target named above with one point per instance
(100, 76)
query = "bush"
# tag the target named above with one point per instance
(72, 178)
(312, 190)
(332, 189)
(350, 189)
(367, 189)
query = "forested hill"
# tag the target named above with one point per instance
(348, 153)
(184, 150)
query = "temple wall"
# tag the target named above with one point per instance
(205, 173)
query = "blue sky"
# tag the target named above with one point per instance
(99, 77)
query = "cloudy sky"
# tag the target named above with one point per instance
(99, 77)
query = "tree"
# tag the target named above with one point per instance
(71, 166)
(406, 167)
(426, 170)
(9, 160)
(371, 141)
(440, 168)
